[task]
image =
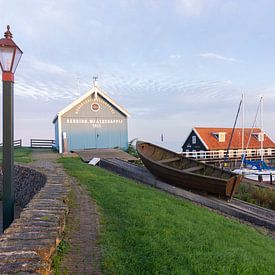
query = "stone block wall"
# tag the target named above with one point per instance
(27, 246)
(27, 182)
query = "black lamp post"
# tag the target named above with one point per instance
(10, 55)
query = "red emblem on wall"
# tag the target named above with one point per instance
(95, 107)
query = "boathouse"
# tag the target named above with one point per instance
(94, 120)
(203, 140)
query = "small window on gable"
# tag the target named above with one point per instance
(220, 136)
(194, 139)
(259, 136)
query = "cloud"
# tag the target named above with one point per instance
(217, 56)
(175, 56)
(189, 7)
(46, 67)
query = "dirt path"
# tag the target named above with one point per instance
(82, 225)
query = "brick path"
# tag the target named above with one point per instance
(82, 226)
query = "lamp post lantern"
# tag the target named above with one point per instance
(10, 55)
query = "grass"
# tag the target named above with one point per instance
(62, 249)
(64, 246)
(264, 197)
(146, 231)
(21, 154)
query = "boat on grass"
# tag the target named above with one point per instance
(187, 173)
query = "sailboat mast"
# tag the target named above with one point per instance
(242, 123)
(262, 130)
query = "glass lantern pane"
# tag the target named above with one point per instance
(17, 57)
(6, 58)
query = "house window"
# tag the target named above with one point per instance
(259, 136)
(220, 136)
(194, 139)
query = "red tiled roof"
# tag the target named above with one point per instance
(208, 138)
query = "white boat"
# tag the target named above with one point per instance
(257, 175)
(256, 170)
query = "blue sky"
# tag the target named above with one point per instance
(173, 64)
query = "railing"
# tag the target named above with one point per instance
(233, 154)
(42, 143)
(16, 143)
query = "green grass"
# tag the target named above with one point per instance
(62, 249)
(264, 197)
(146, 231)
(22, 154)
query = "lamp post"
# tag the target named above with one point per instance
(10, 55)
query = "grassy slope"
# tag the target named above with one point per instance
(150, 232)
(22, 154)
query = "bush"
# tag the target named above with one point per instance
(132, 148)
(264, 197)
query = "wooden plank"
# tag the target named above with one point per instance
(192, 169)
(42, 143)
(168, 160)
(16, 143)
(87, 154)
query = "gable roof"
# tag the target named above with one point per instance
(207, 137)
(89, 93)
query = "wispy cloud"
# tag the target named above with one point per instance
(218, 57)
(46, 67)
(175, 56)
(189, 7)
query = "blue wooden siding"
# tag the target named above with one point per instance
(106, 128)
(96, 138)
(56, 133)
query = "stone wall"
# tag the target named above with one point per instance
(27, 182)
(27, 246)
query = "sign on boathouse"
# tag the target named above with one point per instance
(92, 121)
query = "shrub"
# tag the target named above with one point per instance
(261, 196)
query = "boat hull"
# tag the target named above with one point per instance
(267, 176)
(169, 173)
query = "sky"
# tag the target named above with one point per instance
(173, 64)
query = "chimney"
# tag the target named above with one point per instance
(95, 85)
(95, 81)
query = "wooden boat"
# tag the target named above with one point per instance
(187, 173)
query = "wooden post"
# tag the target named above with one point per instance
(65, 143)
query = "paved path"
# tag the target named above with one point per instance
(82, 226)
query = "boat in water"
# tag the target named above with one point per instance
(187, 173)
(267, 176)
(256, 170)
